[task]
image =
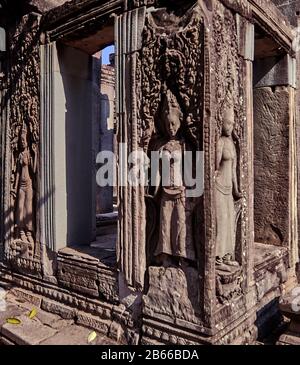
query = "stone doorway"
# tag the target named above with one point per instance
(82, 217)
(83, 125)
(274, 145)
(275, 220)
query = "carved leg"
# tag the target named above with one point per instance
(28, 211)
(181, 247)
(19, 218)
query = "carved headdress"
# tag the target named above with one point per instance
(24, 129)
(226, 103)
(169, 101)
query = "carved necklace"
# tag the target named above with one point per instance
(172, 145)
(24, 156)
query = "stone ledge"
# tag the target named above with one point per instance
(26, 296)
(29, 332)
(57, 308)
(46, 328)
(76, 335)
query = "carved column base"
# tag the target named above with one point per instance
(229, 284)
(156, 332)
(23, 258)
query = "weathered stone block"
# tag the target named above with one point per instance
(274, 71)
(173, 293)
(82, 280)
(29, 332)
(93, 322)
(52, 320)
(71, 335)
(245, 33)
(10, 312)
(57, 308)
(271, 165)
(27, 296)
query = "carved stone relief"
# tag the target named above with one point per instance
(164, 110)
(226, 191)
(228, 208)
(171, 123)
(24, 137)
(86, 275)
(229, 155)
(22, 193)
(172, 50)
(175, 209)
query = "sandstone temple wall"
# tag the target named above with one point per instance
(216, 78)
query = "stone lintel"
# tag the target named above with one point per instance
(274, 71)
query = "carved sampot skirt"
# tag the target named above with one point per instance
(225, 221)
(175, 231)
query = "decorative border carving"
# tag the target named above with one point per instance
(24, 82)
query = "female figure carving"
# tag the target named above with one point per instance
(226, 191)
(175, 232)
(23, 189)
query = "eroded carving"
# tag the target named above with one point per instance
(23, 190)
(171, 117)
(24, 134)
(226, 192)
(175, 228)
(228, 209)
(172, 56)
(173, 293)
(171, 112)
(229, 116)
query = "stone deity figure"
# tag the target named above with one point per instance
(23, 189)
(226, 191)
(175, 243)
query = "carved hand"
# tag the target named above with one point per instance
(237, 194)
(34, 148)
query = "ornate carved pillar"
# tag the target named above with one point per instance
(131, 243)
(22, 241)
(196, 63)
